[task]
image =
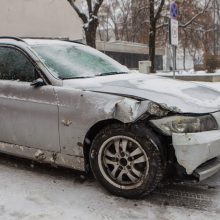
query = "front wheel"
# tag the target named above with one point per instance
(126, 160)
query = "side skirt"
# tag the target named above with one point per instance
(69, 161)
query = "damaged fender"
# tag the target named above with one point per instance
(85, 109)
(129, 110)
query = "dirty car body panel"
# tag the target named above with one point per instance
(50, 123)
(81, 110)
(26, 113)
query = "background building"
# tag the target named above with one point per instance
(39, 18)
(129, 53)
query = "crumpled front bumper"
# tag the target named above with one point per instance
(194, 149)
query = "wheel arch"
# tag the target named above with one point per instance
(162, 142)
(90, 135)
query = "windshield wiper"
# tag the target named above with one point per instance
(111, 73)
(101, 74)
(80, 77)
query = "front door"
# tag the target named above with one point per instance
(28, 115)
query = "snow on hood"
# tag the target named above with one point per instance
(175, 95)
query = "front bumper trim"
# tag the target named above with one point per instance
(207, 170)
(194, 149)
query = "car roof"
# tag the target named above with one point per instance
(33, 41)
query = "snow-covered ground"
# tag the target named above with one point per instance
(190, 73)
(215, 85)
(41, 192)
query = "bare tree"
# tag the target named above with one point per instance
(139, 21)
(89, 16)
(155, 9)
(191, 11)
(146, 21)
(196, 27)
(117, 14)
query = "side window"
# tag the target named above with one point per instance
(15, 66)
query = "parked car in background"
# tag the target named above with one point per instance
(67, 104)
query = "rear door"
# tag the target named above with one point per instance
(28, 115)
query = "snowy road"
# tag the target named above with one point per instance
(41, 192)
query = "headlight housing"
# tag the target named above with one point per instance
(186, 124)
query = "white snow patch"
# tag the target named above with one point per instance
(213, 85)
(26, 194)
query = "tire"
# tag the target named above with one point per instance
(126, 160)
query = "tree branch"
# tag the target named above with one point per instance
(159, 10)
(195, 16)
(162, 25)
(89, 4)
(80, 14)
(191, 20)
(97, 6)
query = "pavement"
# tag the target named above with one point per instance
(35, 191)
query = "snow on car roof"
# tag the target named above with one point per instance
(32, 42)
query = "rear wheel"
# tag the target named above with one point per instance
(126, 160)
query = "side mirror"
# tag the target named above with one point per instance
(38, 83)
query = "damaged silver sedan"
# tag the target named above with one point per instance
(67, 104)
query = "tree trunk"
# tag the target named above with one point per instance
(152, 35)
(90, 39)
(116, 32)
(152, 47)
(90, 33)
(184, 57)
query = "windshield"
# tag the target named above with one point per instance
(69, 60)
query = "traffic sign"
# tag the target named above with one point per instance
(174, 32)
(174, 12)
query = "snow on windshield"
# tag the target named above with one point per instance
(69, 60)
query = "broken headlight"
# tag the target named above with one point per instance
(186, 124)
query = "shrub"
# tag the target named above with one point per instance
(212, 62)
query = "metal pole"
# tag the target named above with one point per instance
(214, 46)
(217, 13)
(174, 61)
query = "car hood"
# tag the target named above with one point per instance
(174, 95)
